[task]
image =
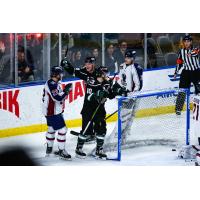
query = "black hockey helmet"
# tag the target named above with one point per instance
(130, 54)
(56, 70)
(90, 59)
(187, 37)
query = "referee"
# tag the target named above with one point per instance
(188, 61)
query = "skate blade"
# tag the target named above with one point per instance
(99, 158)
(90, 142)
(56, 154)
(80, 157)
(190, 160)
(68, 159)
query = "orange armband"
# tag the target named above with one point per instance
(179, 61)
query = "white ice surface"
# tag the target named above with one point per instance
(34, 144)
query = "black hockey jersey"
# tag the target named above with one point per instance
(92, 86)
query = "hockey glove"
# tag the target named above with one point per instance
(119, 90)
(67, 88)
(101, 94)
(67, 66)
(98, 96)
(124, 93)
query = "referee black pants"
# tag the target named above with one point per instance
(187, 77)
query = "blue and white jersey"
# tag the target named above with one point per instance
(130, 77)
(53, 98)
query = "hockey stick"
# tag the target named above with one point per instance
(91, 118)
(111, 114)
(77, 133)
(66, 51)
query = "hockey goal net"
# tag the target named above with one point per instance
(149, 118)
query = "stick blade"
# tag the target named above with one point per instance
(74, 133)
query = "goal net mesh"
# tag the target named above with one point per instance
(149, 118)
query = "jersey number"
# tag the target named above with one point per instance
(196, 112)
(89, 91)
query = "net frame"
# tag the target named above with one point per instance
(150, 94)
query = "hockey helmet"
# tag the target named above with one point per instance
(130, 54)
(187, 37)
(56, 70)
(90, 59)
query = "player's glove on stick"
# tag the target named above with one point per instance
(99, 95)
(118, 90)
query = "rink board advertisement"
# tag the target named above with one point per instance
(21, 108)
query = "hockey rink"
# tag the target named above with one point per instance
(145, 155)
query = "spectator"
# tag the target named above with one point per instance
(110, 60)
(2, 53)
(2, 49)
(95, 53)
(151, 52)
(78, 61)
(5, 75)
(120, 53)
(34, 50)
(27, 53)
(25, 70)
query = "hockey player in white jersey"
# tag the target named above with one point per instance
(130, 80)
(130, 74)
(53, 107)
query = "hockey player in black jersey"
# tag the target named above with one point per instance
(97, 90)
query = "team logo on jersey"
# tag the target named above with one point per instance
(90, 80)
(53, 82)
(55, 92)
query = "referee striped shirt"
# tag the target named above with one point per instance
(188, 59)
